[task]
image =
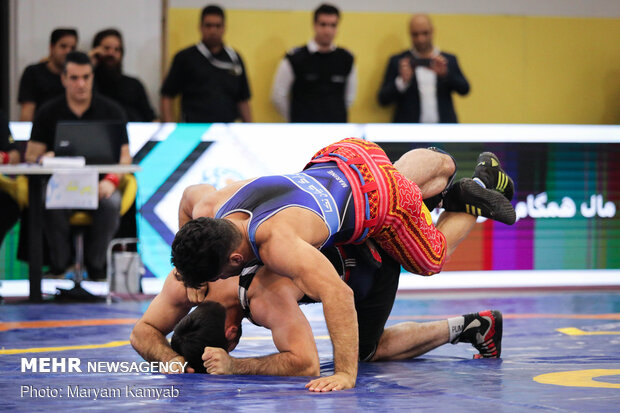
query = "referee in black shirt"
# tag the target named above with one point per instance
(210, 77)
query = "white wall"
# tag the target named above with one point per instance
(138, 20)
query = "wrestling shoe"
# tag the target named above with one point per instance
(484, 331)
(490, 172)
(468, 196)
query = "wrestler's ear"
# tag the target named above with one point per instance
(231, 332)
(236, 259)
(232, 336)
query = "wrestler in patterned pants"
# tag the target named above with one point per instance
(388, 207)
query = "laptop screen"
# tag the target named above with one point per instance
(98, 142)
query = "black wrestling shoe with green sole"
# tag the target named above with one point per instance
(484, 331)
(468, 196)
(490, 172)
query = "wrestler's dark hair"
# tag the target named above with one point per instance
(201, 249)
(203, 327)
(106, 33)
(78, 58)
(212, 9)
(61, 32)
(325, 9)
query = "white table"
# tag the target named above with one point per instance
(37, 174)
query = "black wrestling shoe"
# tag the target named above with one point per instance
(468, 196)
(484, 331)
(490, 172)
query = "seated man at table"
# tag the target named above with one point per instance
(79, 104)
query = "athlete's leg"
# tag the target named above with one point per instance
(408, 233)
(407, 340)
(483, 330)
(455, 226)
(403, 225)
(429, 169)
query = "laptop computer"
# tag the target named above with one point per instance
(99, 142)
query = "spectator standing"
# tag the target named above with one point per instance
(316, 82)
(420, 81)
(210, 77)
(41, 81)
(107, 56)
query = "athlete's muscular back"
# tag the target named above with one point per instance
(204, 201)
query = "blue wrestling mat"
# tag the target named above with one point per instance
(561, 353)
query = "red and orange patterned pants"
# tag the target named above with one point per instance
(388, 207)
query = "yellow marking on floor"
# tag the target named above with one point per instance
(573, 331)
(107, 345)
(63, 348)
(18, 325)
(579, 378)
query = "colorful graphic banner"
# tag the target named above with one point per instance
(567, 182)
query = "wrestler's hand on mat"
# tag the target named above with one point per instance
(197, 295)
(339, 381)
(217, 361)
(176, 369)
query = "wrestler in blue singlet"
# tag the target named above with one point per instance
(322, 189)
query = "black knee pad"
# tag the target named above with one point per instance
(436, 201)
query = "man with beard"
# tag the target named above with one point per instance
(209, 76)
(107, 56)
(41, 81)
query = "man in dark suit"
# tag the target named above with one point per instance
(421, 80)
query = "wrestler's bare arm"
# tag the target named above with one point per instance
(191, 196)
(316, 277)
(275, 307)
(148, 336)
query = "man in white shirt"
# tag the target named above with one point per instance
(316, 82)
(420, 81)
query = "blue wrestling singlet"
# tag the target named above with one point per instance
(322, 189)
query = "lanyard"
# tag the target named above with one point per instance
(234, 66)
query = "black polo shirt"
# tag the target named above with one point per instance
(129, 93)
(6, 139)
(208, 93)
(57, 109)
(38, 85)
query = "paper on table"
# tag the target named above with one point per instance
(64, 161)
(71, 189)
